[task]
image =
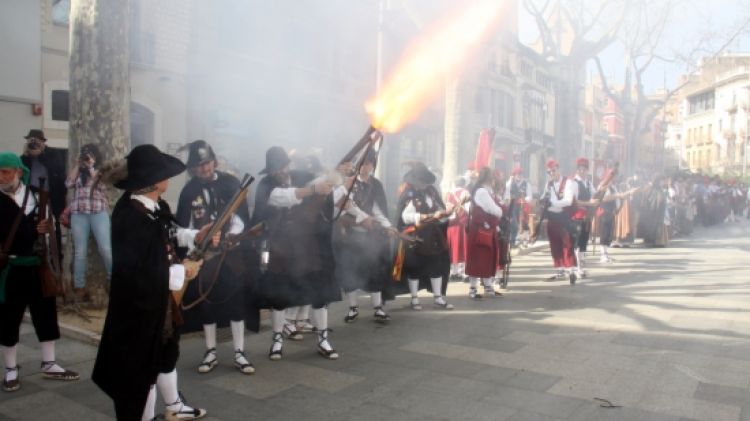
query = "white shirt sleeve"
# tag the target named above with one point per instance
(283, 197)
(235, 225)
(380, 217)
(358, 214)
(186, 238)
(508, 185)
(569, 194)
(483, 199)
(410, 216)
(176, 277)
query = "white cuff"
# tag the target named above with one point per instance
(176, 277)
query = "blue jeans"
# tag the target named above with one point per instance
(82, 224)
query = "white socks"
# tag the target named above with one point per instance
(238, 335)
(377, 299)
(473, 282)
(10, 362)
(437, 287)
(149, 412)
(210, 333)
(48, 355)
(414, 288)
(351, 298)
(320, 318)
(167, 383)
(278, 317)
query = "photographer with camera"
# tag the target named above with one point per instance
(47, 162)
(89, 210)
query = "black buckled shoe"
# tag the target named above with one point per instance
(65, 375)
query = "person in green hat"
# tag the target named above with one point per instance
(20, 283)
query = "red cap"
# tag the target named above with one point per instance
(552, 164)
(582, 162)
(517, 171)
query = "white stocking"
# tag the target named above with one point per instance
(278, 317)
(304, 312)
(320, 318)
(10, 362)
(238, 335)
(437, 286)
(167, 383)
(414, 287)
(210, 333)
(351, 297)
(377, 299)
(150, 410)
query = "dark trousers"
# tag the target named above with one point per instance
(23, 289)
(582, 240)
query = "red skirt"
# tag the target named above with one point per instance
(481, 260)
(457, 242)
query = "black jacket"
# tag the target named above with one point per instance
(54, 160)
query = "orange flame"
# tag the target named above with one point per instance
(432, 60)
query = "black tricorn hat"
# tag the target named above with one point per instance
(200, 153)
(276, 159)
(419, 174)
(35, 134)
(147, 165)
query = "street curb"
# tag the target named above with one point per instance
(73, 332)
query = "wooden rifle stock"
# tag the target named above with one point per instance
(224, 217)
(50, 269)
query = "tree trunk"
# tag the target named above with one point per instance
(99, 94)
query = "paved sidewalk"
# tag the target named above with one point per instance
(662, 334)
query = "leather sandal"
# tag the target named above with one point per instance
(65, 375)
(381, 316)
(246, 367)
(291, 332)
(275, 354)
(183, 413)
(352, 315)
(330, 354)
(11, 385)
(206, 366)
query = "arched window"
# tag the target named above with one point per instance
(141, 125)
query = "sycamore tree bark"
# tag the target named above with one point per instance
(99, 96)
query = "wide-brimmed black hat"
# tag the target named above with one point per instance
(35, 134)
(147, 165)
(419, 174)
(200, 153)
(276, 159)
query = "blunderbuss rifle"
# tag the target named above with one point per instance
(408, 236)
(201, 251)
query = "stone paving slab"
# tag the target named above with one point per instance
(662, 333)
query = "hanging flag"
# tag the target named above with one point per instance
(484, 149)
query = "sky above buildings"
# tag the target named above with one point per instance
(691, 22)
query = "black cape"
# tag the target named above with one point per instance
(130, 351)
